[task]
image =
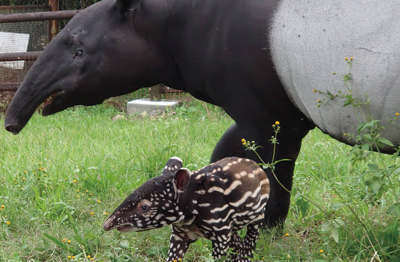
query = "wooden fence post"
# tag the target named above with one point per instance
(53, 24)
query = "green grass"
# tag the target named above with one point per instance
(63, 174)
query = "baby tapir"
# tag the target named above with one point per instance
(213, 202)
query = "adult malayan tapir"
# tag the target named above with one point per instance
(258, 59)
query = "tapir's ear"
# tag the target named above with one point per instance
(123, 5)
(182, 179)
(172, 166)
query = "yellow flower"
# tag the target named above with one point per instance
(73, 257)
(74, 181)
(77, 191)
(40, 163)
(319, 101)
(92, 259)
(397, 114)
(287, 234)
(351, 58)
(277, 123)
(3, 206)
(321, 251)
(98, 201)
(25, 172)
(346, 58)
(23, 178)
(179, 259)
(69, 241)
(64, 240)
(105, 213)
(314, 90)
(88, 256)
(92, 213)
(69, 257)
(8, 223)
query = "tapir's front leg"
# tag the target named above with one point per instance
(178, 245)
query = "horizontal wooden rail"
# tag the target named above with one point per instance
(17, 7)
(37, 16)
(9, 86)
(19, 56)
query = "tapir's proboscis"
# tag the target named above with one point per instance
(260, 60)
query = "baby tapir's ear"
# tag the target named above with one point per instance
(172, 166)
(182, 179)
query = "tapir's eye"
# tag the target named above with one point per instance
(79, 53)
(145, 208)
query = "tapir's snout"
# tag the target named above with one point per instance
(12, 128)
(13, 123)
(108, 225)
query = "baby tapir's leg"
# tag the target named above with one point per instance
(249, 242)
(221, 243)
(179, 243)
(236, 243)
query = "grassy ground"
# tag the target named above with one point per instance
(62, 176)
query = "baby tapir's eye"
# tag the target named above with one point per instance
(144, 205)
(79, 53)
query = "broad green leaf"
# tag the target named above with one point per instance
(335, 234)
(394, 210)
(385, 141)
(124, 244)
(337, 206)
(326, 226)
(303, 206)
(375, 186)
(339, 221)
(373, 167)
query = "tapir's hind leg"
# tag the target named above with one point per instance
(249, 242)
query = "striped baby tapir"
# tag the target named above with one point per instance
(213, 202)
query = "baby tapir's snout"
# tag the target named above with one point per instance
(213, 202)
(152, 205)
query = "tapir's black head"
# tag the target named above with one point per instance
(155, 203)
(99, 54)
